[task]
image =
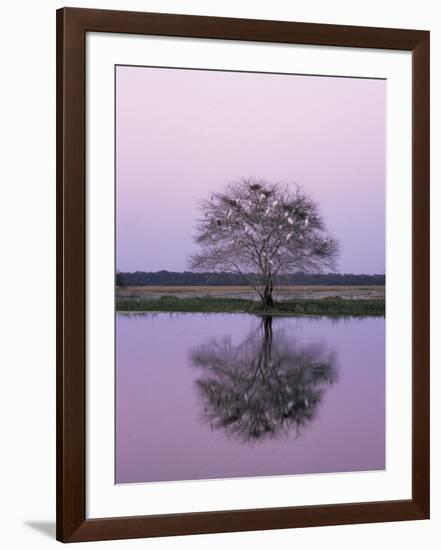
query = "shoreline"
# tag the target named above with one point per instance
(330, 307)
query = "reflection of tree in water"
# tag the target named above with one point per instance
(265, 386)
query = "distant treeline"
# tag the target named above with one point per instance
(174, 278)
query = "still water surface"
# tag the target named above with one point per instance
(215, 396)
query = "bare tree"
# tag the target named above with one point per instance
(264, 229)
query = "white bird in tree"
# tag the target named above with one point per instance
(290, 221)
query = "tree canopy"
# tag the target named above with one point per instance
(265, 228)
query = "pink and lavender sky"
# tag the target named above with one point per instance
(181, 134)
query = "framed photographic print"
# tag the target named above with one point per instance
(242, 274)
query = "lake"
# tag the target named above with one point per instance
(205, 396)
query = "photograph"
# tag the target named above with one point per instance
(222, 213)
(249, 274)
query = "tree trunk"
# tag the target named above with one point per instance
(268, 294)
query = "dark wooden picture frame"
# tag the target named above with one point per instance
(72, 26)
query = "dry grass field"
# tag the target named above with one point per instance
(280, 293)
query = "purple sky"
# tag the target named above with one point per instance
(184, 133)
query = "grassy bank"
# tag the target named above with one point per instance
(206, 304)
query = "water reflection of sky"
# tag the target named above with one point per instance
(212, 396)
